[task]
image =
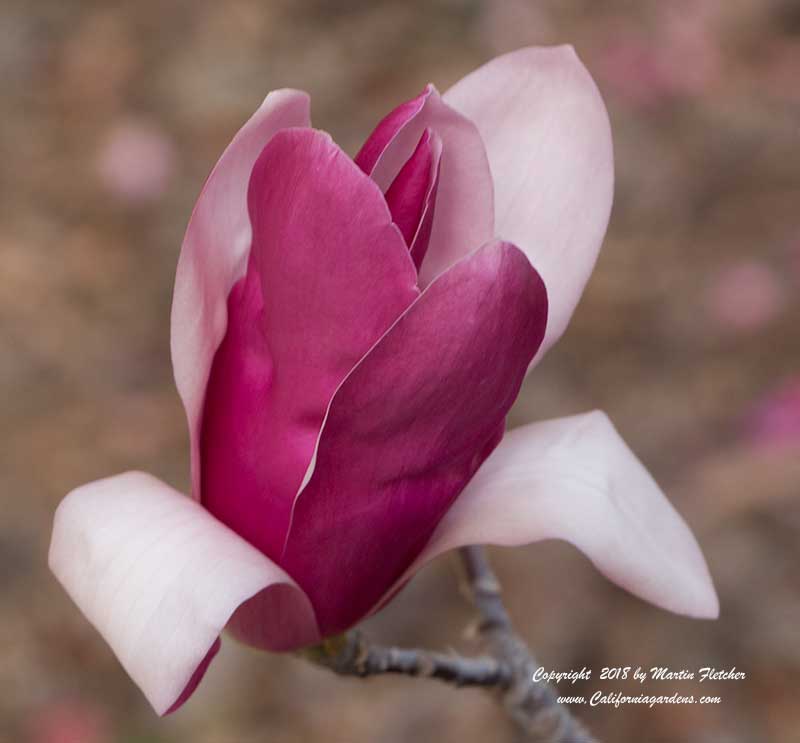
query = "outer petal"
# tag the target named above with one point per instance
(329, 273)
(159, 578)
(575, 479)
(214, 255)
(547, 134)
(464, 218)
(409, 427)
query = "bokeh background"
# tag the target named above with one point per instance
(112, 115)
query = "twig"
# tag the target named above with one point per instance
(509, 668)
(352, 655)
(532, 706)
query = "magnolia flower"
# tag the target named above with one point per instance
(347, 338)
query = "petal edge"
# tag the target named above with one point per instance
(160, 578)
(409, 427)
(214, 255)
(575, 479)
(548, 140)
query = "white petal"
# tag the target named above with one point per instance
(159, 578)
(548, 139)
(575, 479)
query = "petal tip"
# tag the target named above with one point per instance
(711, 609)
(704, 601)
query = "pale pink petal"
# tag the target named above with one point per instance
(464, 217)
(575, 479)
(214, 255)
(159, 578)
(408, 428)
(329, 273)
(548, 138)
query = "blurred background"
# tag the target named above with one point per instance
(113, 114)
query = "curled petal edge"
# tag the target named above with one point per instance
(160, 578)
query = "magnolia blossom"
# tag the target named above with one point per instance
(347, 339)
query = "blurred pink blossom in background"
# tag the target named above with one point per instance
(680, 58)
(631, 68)
(69, 721)
(745, 296)
(775, 419)
(136, 161)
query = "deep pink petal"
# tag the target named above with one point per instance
(547, 134)
(409, 427)
(160, 578)
(464, 218)
(575, 479)
(413, 193)
(329, 273)
(422, 238)
(214, 256)
(387, 130)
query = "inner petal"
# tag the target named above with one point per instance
(388, 128)
(328, 273)
(412, 195)
(464, 218)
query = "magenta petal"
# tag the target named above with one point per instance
(406, 196)
(464, 218)
(422, 238)
(409, 427)
(412, 195)
(387, 129)
(328, 274)
(214, 256)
